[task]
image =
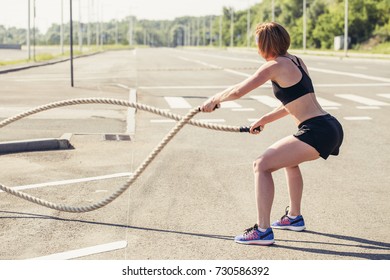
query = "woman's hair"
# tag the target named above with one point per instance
(272, 39)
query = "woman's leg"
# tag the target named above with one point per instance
(295, 189)
(287, 152)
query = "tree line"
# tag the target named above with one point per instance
(368, 21)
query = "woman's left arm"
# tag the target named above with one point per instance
(263, 74)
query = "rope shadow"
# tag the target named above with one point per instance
(362, 243)
(39, 216)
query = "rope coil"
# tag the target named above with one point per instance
(182, 121)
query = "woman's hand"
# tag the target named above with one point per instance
(210, 105)
(254, 127)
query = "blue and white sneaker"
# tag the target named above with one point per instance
(285, 222)
(253, 236)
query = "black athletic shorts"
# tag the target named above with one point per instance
(324, 133)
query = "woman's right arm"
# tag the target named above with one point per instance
(274, 115)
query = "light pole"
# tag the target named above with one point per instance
(71, 43)
(62, 27)
(34, 15)
(220, 30)
(304, 25)
(80, 39)
(231, 26)
(248, 27)
(346, 28)
(211, 31)
(28, 30)
(273, 10)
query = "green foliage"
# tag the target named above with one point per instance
(368, 21)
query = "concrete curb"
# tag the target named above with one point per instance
(34, 145)
(6, 70)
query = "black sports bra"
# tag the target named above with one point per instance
(288, 94)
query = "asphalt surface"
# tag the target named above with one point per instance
(198, 193)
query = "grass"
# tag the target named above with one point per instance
(383, 48)
(50, 56)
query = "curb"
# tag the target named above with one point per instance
(34, 145)
(40, 64)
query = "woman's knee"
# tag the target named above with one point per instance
(261, 164)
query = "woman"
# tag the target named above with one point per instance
(319, 134)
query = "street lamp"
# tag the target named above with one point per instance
(304, 25)
(231, 26)
(248, 27)
(346, 28)
(28, 31)
(71, 43)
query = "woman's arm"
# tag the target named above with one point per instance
(274, 115)
(263, 74)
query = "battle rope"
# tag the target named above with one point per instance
(182, 121)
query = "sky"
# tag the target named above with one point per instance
(15, 12)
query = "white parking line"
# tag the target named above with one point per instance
(71, 181)
(355, 75)
(85, 251)
(172, 121)
(327, 103)
(162, 121)
(267, 85)
(243, 109)
(237, 72)
(267, 100)
(177, 102)
(367, 107)
(385, 95)
(230, 104)
(362, 100)
(358, 118)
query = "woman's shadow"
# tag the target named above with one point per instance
(382, 248)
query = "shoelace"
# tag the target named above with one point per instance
(249, 230)
(285, 215)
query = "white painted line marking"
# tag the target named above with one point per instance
(85, 251)
(243, 109)
(363, 118)
(162, 121)
(171, 121)
(200, 62)
(230, 104)
(330, 108)
(237, 72)
(355, 75)
(368, 107)
(215, 66)
(130, 120)
(266, 85)
(71, 181)
(123, 86)
(385, 95)
(267, 100)
(352, 85)
(177, 102)
(362, 100)
(211, 120)
(327, 103)
(184, 87)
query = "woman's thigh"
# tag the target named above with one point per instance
(287, 152)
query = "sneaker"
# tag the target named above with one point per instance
(285, 222)
(254, 236)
